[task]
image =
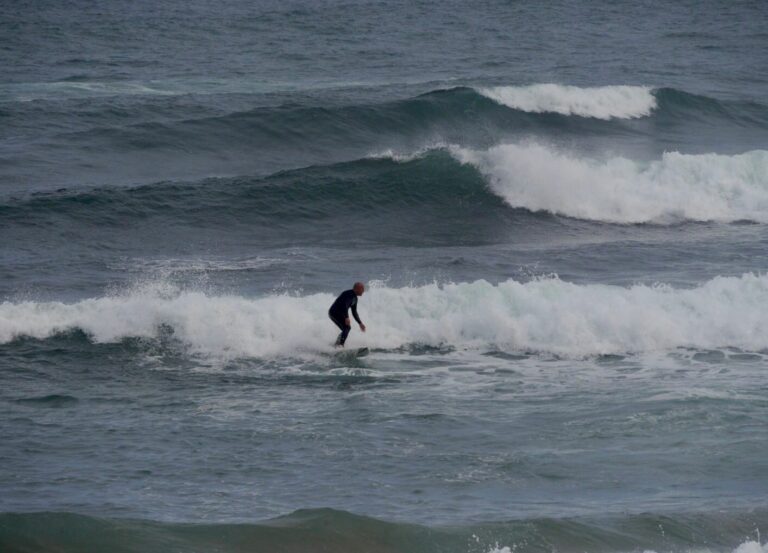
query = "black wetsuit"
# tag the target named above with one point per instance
(339, 312)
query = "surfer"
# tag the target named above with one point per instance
(339, 311)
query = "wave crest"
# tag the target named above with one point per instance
(707, 187)
(602, 102)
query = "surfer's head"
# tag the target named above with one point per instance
(358, 288)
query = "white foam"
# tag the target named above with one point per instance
(544, 315)
(746, 547)
(707, 187)
(752, 547)
(179, 265)
(602, 102)
(407, 156)
(25, 92)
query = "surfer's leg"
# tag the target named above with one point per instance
(337, 322)
(344, 330)
(343, 336)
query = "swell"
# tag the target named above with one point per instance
(128, 140)
(171, 123)
(370, 193)
(676, 105)
(446, 115)
(140, 140)
(340, 531)
(455, 189)
(545, 315)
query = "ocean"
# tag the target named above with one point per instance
(560, 210)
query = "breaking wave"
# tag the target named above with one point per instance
(708, 187)
(602, 102)
(141, 138)
(545, 315)
(445, 185)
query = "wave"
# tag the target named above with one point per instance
(430, 199)
(708, 187)
(167, 137)
(618, 102)
(598, 102)
(363, 185)
(674, 105)
(51, 400)
(546, 315)
(602, 102)
(340, 532)
(82, 87)
(449, 186)
(447, 115)
(440, 115)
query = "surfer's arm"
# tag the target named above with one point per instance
(357, 318)
(355, 315)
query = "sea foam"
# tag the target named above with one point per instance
(706, 187)
(746, 547)
(547, 315)
(602, 102)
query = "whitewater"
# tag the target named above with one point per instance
(605, 102)
(545, 315)
(704, 187)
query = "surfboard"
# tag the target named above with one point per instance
(350, 353)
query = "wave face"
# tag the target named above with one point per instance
(546, 315)
(429, 199)
(341, 532)
(462, 192)
(140, 139)
(709, 187)
(603, 102)
(422, 181)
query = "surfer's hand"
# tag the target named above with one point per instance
(346, 321)
(362, 327)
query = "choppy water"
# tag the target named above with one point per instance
(562, 214)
